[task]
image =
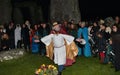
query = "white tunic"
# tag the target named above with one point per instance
(17, 35)
(59, 46)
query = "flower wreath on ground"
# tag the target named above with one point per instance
(46, 70)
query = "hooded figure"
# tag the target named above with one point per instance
(17, 35)
(83, 34)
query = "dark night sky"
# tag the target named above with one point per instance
(100, 8)
(94, 8)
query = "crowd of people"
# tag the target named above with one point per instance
(99, 37)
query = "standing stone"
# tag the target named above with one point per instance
(38, 14)
(32, 12)
(27, 10)
(17, 16)
(65, 10)
(5, 11)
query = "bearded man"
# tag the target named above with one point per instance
(57, 45)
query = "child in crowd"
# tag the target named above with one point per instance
(5, 42)
(110, 53)
(35, 44)
(101, 46)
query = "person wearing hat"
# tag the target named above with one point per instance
(56, 27)
(60, 29)
(56, 46)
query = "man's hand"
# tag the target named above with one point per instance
(78, 40)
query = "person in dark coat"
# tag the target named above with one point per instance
(10, 32)
(25, 37)
(116, 46)
(102, 30)
(72, 30)
(94, 31)
(43, 31)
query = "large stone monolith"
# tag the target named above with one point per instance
(5, 11)
(65, 10)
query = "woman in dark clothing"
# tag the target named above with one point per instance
(102, 30)
(116, 46)
(117, 21)
(45, 30)
(94, 31)
(72, 30)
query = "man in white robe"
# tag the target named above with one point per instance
(59, 46)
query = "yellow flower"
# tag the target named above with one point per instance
(43, 65)
(36, 72)
(49, 66)
(43, 68)
(54, 68)
(39, 70)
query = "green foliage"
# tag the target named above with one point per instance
(27, 65)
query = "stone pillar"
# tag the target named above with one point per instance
(17, 16)
(5, 11)
(38, 14)
(32, 12)
(65, 10)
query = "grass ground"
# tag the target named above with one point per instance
(27, 65)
